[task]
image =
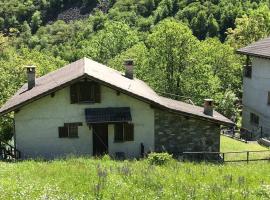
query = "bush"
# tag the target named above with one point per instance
(159, 158)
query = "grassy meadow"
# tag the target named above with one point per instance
(88, 178)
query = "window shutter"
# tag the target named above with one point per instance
(73, 130)
(63, 132)
(118, 133)
(97, 93)
(129, 132)
(73, 94)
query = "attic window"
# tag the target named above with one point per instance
(123, 132)
(85, 92)
(69, 130)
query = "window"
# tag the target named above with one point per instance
(85, 92)
(248, 68)
(123, 132)
(254, 119)
(248, 71)
(69, 130)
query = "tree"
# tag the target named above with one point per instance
(36, 21)
(170, 45)
(115, 38)
(199, 25)
(250, 28)
(25, 33)
(213, 27)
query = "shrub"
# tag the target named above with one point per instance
(159, 158)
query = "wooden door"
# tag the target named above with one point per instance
(100, 139)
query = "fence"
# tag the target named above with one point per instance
(240, 156)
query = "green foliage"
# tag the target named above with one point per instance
(159, 158)
(115, 38)
(250, 28)
(170, 45)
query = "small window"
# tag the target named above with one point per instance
(85, 92)
(248, 71)
(248, 68)
(254, 119)
(123, 132)
(69, 130)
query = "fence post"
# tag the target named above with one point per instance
(247, 156)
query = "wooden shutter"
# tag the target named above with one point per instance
(129, 132)
(118, 133)
(63, 132)
(74, 94)
(97, 93)
(73, 130)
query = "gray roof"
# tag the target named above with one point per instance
(85, 67)
(260, 48)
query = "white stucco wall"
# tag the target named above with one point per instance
(255, 95)
(37, 126)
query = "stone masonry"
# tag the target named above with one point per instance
(175, 133)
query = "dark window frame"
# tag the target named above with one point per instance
(248, 71)
(127, 132)
(85, 92)
(69, 130)
(248, 68)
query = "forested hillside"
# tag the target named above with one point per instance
(184, 49)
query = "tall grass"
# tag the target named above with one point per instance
(86, 178)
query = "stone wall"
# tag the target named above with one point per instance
(176, 134)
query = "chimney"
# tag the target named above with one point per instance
(208, 107)
(31, 76)
(129, 68)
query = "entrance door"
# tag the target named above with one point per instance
(100, 139)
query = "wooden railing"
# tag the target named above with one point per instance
(8, 152)
(238, 156)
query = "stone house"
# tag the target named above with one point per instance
(256, 88)
(86, 108)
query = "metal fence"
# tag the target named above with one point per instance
(238, 156)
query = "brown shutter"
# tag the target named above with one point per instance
(63, 132)
(74, 93)
(129, 132)
(73, 131)
(118, 133)
(97, 93)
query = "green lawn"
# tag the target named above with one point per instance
(87, 178)
(231, 145)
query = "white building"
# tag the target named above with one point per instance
(86, 108)
(256, 88)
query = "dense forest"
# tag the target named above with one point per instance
(184, 49)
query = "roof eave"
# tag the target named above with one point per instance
(252, 54)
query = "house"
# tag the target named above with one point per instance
(256, 88)
(86, 108)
